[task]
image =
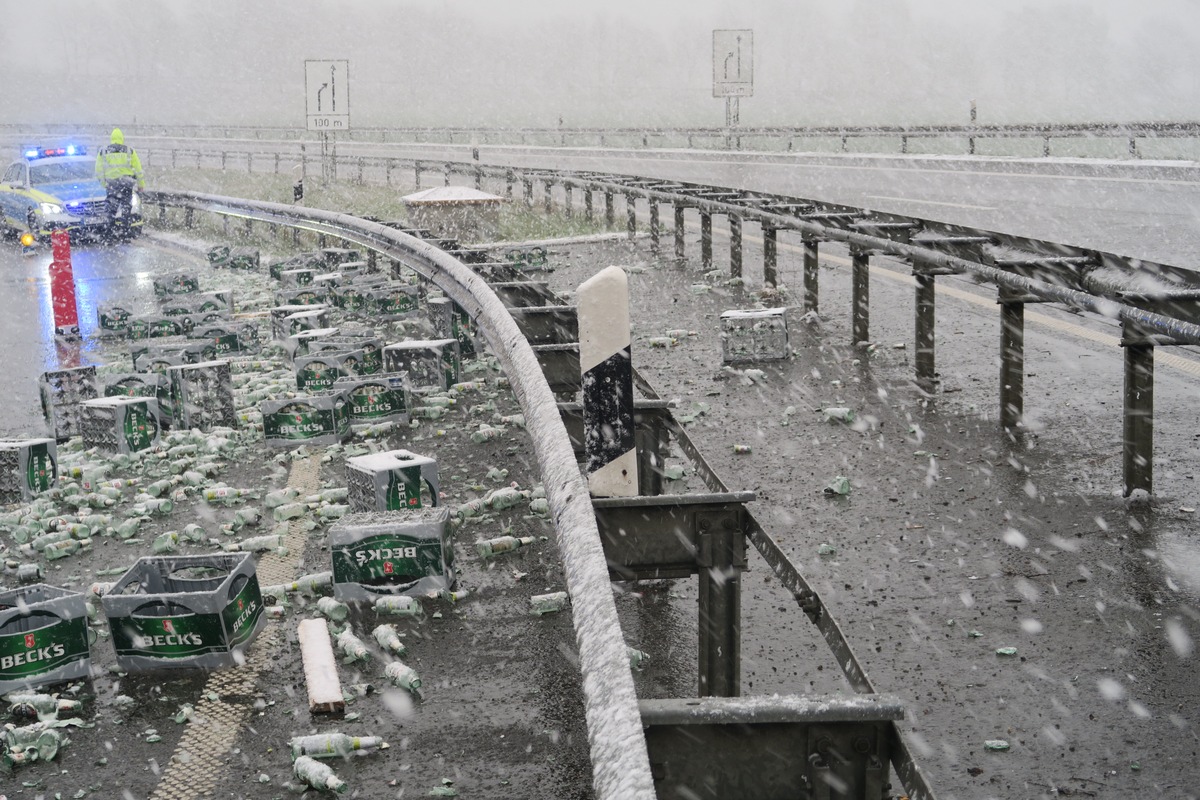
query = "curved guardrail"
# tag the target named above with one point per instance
(621, 767)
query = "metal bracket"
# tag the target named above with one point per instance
(560, 366)
(547, 324)
(778, 747)
(647, 538)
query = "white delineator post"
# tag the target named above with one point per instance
(606, 369)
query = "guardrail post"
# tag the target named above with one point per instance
(173, 154)
(610, 215)
(162, 214)
(224, 157)
(971, 145)
(904, 144)
(1012, 359)
(705, 240)
(478, 178)
(1046, 146)
(925, 328)
(249, 163)
(568, 200)
(721, 553)
(388, 165)
(448, 170)
(547, 194)
(249, 228)
(417, 175)
(1137, 451)
(277, 163)
(631, 215)
(372, 261)
(735, 246)
(811, 274)
(527, 189)
(860, 269)
(189, 218)
(589, 212)
(360, 170)
(679, 244)
(770, 256)
(1133, 151)
(508, 183)
(654, 227)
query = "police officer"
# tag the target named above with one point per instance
(120, 170)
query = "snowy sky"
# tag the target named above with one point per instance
(618, 62)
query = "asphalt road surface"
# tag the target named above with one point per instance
(950, 527)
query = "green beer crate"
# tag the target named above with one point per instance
(279, 327)
(112, 320)
(336, 256)
(185, 611)
(377, 398)
(43, 637)
(322, 419)
(177, 283)
(243, 258)
(202, 396)
(61, 393)
(218, 256)
(119, 424)
(300, 296)
(304, 320)
(350, 297)
(219, 300)
(325, 281)
(396, 480)
(393, 301)
(299, 343)
(154, 327)
(371, 347)
(429, 363)
(297, 277)
(27, 468)
(374, 555)
(161, 354)
(142, 384)
(317, 373)
(312, 260)
(451, 321)
(229, 337)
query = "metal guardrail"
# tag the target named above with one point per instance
(1023, 269)
(621, 767)
(963, 136)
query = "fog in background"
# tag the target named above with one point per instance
(616, 63)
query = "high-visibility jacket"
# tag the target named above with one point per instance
(119, 160)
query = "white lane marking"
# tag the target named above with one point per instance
(928, 202)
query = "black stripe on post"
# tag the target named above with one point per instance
(608, 410)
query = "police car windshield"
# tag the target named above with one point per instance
(61, 171)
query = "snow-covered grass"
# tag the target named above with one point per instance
(517, 222)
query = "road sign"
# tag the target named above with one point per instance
(327, 95)
(733, 63)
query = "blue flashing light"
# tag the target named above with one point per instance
(47, 152)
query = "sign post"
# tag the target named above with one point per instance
(327, 106)
(733, 69)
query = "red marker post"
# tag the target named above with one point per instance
(62, 287)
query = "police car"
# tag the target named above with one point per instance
(54, 188)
